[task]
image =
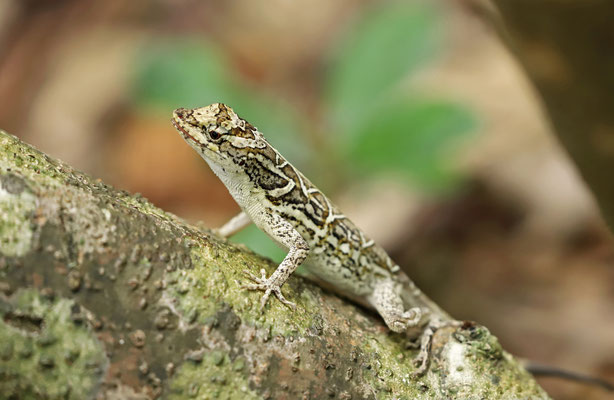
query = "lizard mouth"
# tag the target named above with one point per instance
(205, 147)
(180, 128)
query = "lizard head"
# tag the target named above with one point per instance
(222, 138)
(216, 132)
(206, 129)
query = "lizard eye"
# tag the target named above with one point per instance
(214, 135)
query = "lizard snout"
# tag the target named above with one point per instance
(180, 113)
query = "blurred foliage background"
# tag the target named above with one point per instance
(367, 124)
(411, 115)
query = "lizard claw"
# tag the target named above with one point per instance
(254, 278)
(281, 298)
(268, 287)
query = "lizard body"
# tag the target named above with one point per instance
(284, 204)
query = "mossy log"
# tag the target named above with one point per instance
(104, 296)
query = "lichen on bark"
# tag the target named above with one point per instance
(46, 350)
(160, 305)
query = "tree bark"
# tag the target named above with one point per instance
(566, 50)
(103, 295)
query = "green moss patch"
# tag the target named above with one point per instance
(45, 353)
(17, 205)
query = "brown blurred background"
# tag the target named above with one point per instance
(412, 116)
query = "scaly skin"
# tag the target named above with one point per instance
(293, 212)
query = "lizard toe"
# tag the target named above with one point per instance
(421, 364)
(281, 298)
(260, 281)
(258, 284)
(263, 275)
(267, 287)
(265, 298)
(252, 286)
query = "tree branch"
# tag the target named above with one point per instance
(104, 295)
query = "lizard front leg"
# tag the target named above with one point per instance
(283, 232)
(237, 223)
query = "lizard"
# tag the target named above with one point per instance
(292, 211)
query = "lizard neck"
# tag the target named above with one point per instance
(240, 188)
(233, 181)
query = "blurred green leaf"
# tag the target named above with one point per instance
(260, 243)
(186, 74)
(414, 138)
(383, 48)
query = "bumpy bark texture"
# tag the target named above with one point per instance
(102, 295)
(566, 48)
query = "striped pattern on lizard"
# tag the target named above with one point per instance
(284, 204)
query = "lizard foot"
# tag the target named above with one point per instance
(422, 360)
(268, 287)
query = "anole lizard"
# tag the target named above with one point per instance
(294, 213)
